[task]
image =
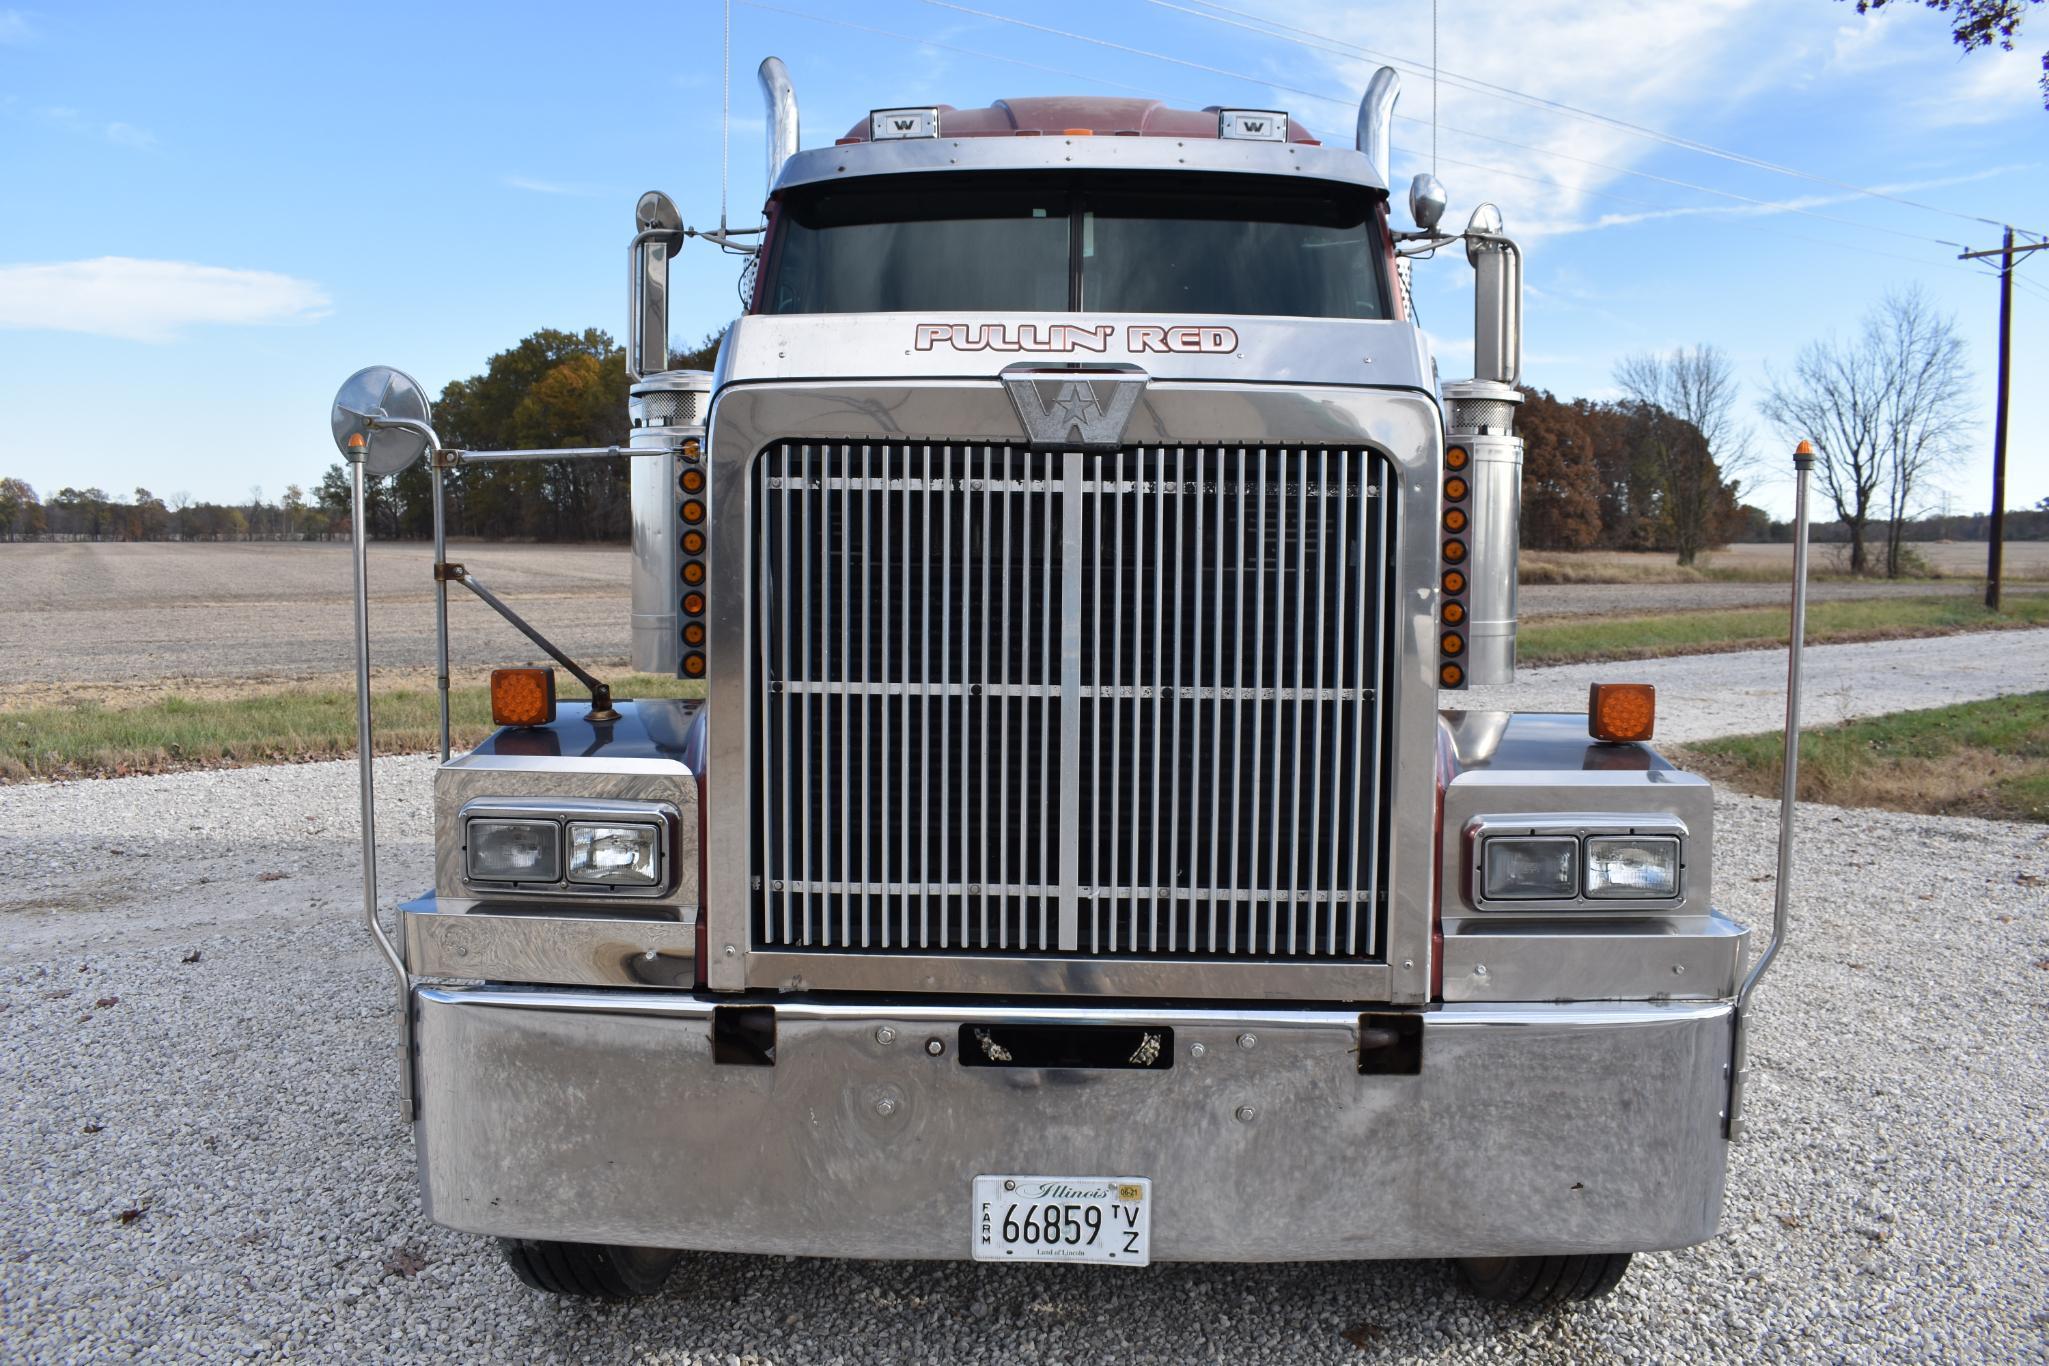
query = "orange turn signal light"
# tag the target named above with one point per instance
(1621, 712)
(522, 697)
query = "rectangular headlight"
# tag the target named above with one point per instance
(1632, 867)
(514, 851)
(1531, 868)
(615, 855)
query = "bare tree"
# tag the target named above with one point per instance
(1687, 424)
(1883, 410)
(1925, 411)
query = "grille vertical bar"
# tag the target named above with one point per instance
(934, 772)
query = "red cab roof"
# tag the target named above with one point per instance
(1102, 116)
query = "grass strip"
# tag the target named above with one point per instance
(1973, 759)
(283, 724)
(1583, 639)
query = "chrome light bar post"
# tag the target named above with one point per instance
(1789, 785)
(367, 781)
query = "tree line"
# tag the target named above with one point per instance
(1659, 468)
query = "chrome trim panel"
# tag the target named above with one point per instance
(1402, 426)
(1055, 153)
(1630, 958)
(908, 347)
(600, 1117)
(1031, 974)
(491, 941)
(537, 782)
(1659, 795)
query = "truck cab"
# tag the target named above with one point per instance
(1077, 853)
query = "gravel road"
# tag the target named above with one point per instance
(204, 1157)
(1700, 696)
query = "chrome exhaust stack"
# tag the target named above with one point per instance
(667, 411)
(1480, 419)
(1376, 122)
(779, 99)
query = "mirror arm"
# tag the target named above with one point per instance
(601, 692)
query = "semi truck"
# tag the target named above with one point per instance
(1078, 852)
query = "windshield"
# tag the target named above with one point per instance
(1125, 244)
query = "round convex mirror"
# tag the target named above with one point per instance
(381, 392)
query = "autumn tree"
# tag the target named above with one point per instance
(1561, 505)
(21, 512)
(1979, 23)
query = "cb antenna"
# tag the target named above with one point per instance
(1433, 82)
(726, 113)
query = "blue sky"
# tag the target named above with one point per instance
(290, 192)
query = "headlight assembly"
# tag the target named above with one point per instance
(1538, 868)
(514, 851)
(578, 847)
(614, 855)
(1632, 867)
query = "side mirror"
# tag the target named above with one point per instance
(1426, 201)
(381, 417)
(658, 229)
(1497, 298)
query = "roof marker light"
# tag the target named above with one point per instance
(1252, 125)
(891, 125)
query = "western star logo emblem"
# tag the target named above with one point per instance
(1075, 412)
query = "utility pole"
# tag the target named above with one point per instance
(1996, 552)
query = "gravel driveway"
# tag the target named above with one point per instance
(211, 1163)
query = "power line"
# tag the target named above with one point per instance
(1466, 132)
(1609, 195)
(1273, 28)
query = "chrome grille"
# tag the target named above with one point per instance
(1015, 701)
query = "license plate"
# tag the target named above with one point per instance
(1062, 1219)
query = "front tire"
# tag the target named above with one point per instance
(591, 1270)
(1540, 1282)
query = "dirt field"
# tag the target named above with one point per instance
(141, 615)
(123, 619)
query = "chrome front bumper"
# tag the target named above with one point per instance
(602, 1117)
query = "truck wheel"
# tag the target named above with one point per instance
(596, 1270)
(1537, 1282)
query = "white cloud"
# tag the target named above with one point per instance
(118, 133)
(128, 135)
(150, 301)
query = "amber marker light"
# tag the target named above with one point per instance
(690, 447)
(1453, 643)
(1454, 581)
(693, 634)
(693, 543)
(693, 666)
(522, 697)
(693, 480)
(1454, 519)
(693, 511)
(1454, 551)
(693, 573)
(1456, 458)
(693, 603)
(1453, 614)
(1621, 712)
(1456, 488)
(1451, 675)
